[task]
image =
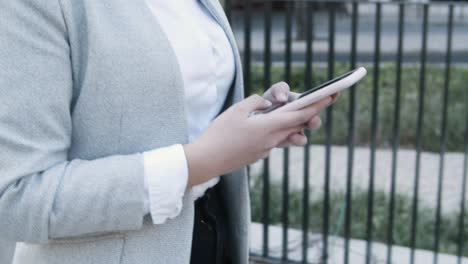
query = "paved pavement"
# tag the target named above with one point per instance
(437, 34)
(357, 253)
(453, 172)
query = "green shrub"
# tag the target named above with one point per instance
(449, 225)
(456, 114)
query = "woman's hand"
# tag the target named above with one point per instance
(234, 139)
(280, 93)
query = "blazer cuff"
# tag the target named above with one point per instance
(166, 176)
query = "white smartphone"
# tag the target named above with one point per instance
(319, 92)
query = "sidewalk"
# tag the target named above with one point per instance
(357, 251)
(453, 172)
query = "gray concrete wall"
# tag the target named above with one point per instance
(6, 252)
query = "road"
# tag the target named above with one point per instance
(412, 38)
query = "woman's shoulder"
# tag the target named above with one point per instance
(39, 14)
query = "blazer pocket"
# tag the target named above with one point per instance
(88, 250)
(87, 238)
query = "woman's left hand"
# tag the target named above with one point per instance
(280, 93)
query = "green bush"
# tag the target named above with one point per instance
(431, 135)
(449, 225)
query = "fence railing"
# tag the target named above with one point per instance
(422, 46)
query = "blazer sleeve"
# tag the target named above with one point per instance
(43, 195)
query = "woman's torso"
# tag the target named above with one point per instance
(128, 97)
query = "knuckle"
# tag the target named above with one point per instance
(269, 144)
(234, 110)
(302, 118)
(256, 98)
(314, 121)
(318, 121)
(313, 109)
(240, 108)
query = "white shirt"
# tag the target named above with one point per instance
(206, 62)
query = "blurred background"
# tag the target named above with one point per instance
(384, 180)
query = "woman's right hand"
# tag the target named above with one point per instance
(234, 139)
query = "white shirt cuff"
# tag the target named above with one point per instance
(166, 176)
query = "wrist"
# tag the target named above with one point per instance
(200, 169)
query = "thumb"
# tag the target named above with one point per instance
(280, 92)
(253, 103)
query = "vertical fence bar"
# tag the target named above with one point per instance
(307, 83)
(247, 46)
(247, 41)
(285, 220)
(328, 137)
(351, 132)
(287, 78)
(373, 140)
(422, 85)
(461, 220)
(395, 131)
(443, 129)
(228, 8)
(266, 163)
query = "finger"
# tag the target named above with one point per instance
(295, 139)
(294, 118)
(281, 92)
(314, 123)
(285, 134)
(278, 93)
(284, 144)
(252, 103)
(297, 129)
(301, 132)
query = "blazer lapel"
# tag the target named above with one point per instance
(235, 184)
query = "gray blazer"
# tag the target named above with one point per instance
(86, 86)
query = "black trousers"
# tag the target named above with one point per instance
(209, 243)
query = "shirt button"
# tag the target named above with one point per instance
(213, 49)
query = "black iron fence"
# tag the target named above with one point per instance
(268, 33)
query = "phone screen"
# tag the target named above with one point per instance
(323, 85)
